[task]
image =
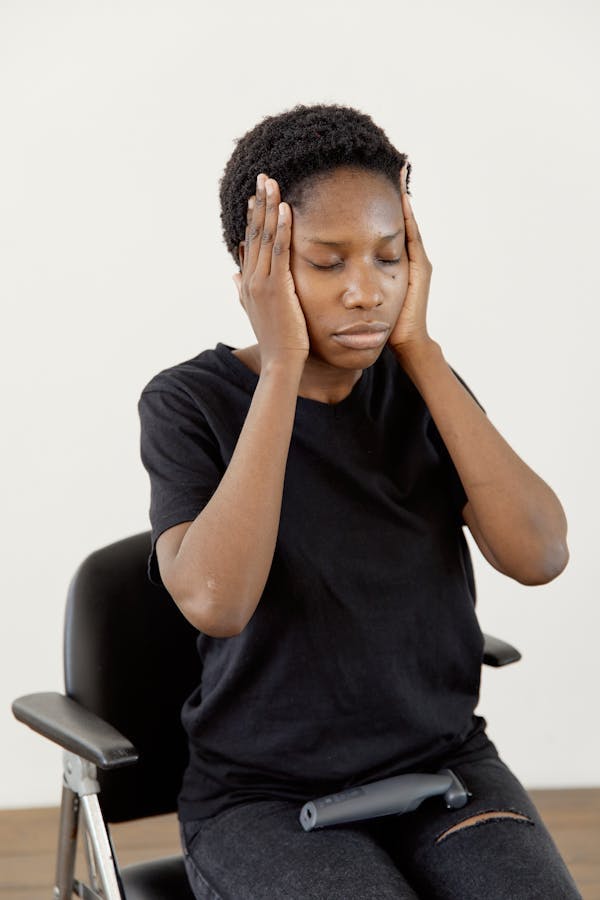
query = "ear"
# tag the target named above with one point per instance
(241, 253)
(237, 280)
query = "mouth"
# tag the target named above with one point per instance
(363, 336)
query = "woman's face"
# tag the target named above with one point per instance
(349, 263)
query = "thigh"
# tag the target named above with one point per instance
(507, 857)
(259, 851)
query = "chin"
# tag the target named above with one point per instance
(348, 358)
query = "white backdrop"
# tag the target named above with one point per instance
(117, 119)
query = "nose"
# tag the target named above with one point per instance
(363, 290)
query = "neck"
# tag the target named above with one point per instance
(326, 383)
(319, 381)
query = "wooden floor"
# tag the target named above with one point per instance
(28, 842)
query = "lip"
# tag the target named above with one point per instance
(363, 328)
(362, 335)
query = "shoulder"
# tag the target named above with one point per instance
(209, 393)
(388, 372)
(214, 377)
(189, 373)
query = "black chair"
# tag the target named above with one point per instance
(130, 661)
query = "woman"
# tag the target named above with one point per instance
(308, 499)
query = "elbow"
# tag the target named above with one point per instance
(204, 600)
(208, 618)
(220, 629)
(548, 565)
(209, 614)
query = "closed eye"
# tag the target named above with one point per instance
(387, 262)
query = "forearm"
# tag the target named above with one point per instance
(226, 554)
(518, 515)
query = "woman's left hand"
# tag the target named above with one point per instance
(410, 329)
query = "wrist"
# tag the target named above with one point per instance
(289, 367)
(415, 353)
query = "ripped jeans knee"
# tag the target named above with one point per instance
(484, 818)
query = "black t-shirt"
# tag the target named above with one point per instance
(362, 659)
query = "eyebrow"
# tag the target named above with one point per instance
(386, 237)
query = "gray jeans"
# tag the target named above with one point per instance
(259, 851)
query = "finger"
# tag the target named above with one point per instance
(403, 174)
(256, 224)
(414, 243)
(280, 262)
(246, 241)
(267, 239)
(413, 235)
(243, 261)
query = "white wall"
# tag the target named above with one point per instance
(117, 120)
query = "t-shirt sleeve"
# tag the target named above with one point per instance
(181, 455)
(457, 491)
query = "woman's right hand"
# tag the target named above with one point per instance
(265, 285)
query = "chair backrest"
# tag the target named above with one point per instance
(130, 657)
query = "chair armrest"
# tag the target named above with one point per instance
(498, 653)
(64, 721)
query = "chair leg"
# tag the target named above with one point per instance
(80, 799)
(67, 844)
(90, 859)
(100, 844)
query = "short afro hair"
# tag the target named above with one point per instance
(295, 147)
